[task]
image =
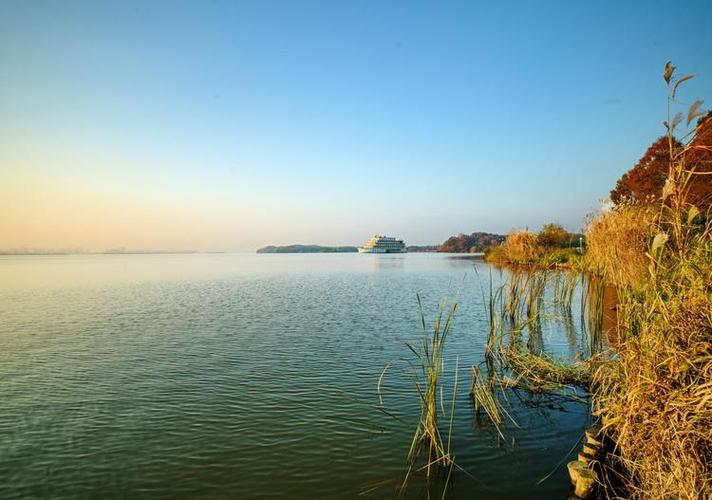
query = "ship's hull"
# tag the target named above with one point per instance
(379, 250)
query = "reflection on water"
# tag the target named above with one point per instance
(383, 262)
(250, 376)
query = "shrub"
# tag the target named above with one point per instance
(521, 247)
(553, 236)
(495, 255)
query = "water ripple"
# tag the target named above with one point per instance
(240, 376)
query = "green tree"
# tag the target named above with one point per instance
(553, 236)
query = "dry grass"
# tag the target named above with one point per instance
(655, 400)
(521, 247)
(545, 372)
(616, 243)
(654, 396)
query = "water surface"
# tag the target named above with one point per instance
(248, 376)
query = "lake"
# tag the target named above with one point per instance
(252, 376)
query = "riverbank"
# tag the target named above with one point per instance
(651, 387)
(647, 274)
(654, 399)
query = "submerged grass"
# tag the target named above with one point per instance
(564, 289)
(592, 311)
(545, 372)
(515, 356)
(485, 398)
(515, 360)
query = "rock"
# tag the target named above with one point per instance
(594, 442)
(581, 477)
(585, 483)
(591, 449)
(594, 431)
(575, 467)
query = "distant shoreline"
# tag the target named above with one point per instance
(269, 249)
(108, 252)
(306, 249)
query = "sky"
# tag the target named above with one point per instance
(226, 125)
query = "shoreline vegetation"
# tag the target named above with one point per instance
(654, 397)
(552, 247)
(306, 249)
(471, 243)
(647, 376)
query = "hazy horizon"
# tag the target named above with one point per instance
(231, 126)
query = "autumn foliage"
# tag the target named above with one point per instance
(699, 158)
(643, 184)
(470, 243)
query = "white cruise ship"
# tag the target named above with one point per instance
(382, 244)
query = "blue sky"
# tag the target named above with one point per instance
(230, 125)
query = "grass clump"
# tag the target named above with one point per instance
(521, 247)
(547, 372)
(428, 439)
(485, 399)
(617, 241)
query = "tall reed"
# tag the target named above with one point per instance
(485, 398)
(592, 311)
(428, 438)
(512, 364)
